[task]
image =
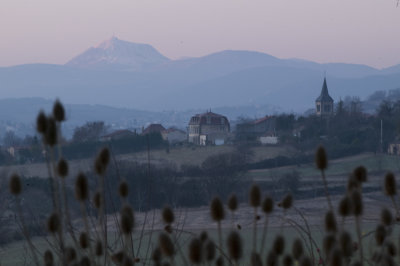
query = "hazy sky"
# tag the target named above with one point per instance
(353, 31)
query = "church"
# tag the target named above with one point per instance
(324, 103)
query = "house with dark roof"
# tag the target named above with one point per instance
(253, 129)
(208, 128)
(324, 103)
(153, 128)
(119, 134)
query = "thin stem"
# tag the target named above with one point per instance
(326, 190)
(358, 227)
(26, 232)
(264, 235)
(220, 235)
(255, 230)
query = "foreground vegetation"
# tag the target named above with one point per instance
(100, 227)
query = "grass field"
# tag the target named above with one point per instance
(340, 167)
(176, 156)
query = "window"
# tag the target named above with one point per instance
(318, 108)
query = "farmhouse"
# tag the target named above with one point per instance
(208, 128)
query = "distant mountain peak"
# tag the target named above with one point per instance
(107, 44)
(117, 54)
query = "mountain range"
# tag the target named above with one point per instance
(135, 76)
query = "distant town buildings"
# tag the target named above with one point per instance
(174, 135)
(208, 128)
(324, 103)
(119, 134)
(153, 128)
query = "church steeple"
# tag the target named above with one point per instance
(324, 103)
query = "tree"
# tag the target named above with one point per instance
(11, 139)
(91, 131)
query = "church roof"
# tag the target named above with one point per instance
(324, 97)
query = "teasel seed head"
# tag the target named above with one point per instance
(84, 261)
(127, 220)
(210, 250)
(357, 203)
(99, 248)
(255, 196)
(232, 203)
(268, 205)
(329, 244)
(127, 261)
(203, 236)
(15, 184)
(287, 201)
(391, 248)
(84, 240)
(353, 183)
(297, 249)
(102, 161)
(62, 167)
(380, 234)
(386, 217)
(156, 255)
(330, 222)
(220, 261)
(168, 229)
(287, 260)
(390, 184)
(97, 200)
(320, 158)
(336, 258)
(345, 206)
(50, 136)
(195, 251)
(58, 111)
(53, 223)
(123, 189)
(70, 254)
(234, 244)
(118, 257)
(255, 259)
(41, 123)
(360, 173)
(166, 245)
(48, 258)
(217, 210)
(272, 258)
(346, 244)
(279, 245)
(305, 261)
(81, 187)
(168, 215)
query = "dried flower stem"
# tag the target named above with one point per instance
(255, 230)
(326, 190)
(264, 235)
(26, 232)
(358, 228)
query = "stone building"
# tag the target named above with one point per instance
(208, 128)
(324, 103)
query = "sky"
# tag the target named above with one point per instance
(349, 31)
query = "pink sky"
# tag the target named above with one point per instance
(352, 31)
